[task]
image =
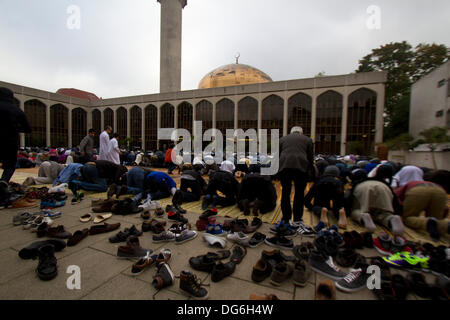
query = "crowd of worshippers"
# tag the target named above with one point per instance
(367, 191)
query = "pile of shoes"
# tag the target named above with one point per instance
(283, 233)
(178, 233)
(387, 245)
(126, 207)
(280, 267)
(205, 219)
(53, 200)
(191, 286)
(242, 225)
(132, 249)
(154, 225)
(176, 214)
(150, 206)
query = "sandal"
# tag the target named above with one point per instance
(86, 218)
(102, 217)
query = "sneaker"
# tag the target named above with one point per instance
(324, 265)
(132, 250)
(239, 238)
(178, 228)
(47, 268)
(185, 236)
(354, 281)
(59, 189)
(305, 231)
(122, 236)
(163, 256)
(238, 254)
(215, 241)
(176, 216)
(222, 270)
(319, 226)
(216, 229)
(165, 236)
(302, 272)
(283, 230)
(281, 273)
(280, 242)
(383, 244)
(51, 214)
(150, 205)
(191, 286)
(407, 260)
(209, 213)
(142, 264)
(202, 263)
(164, 277)
(256, 240)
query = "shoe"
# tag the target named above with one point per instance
(77, 237)
(215, 241)
(407, 260)
(111, 191)
(256, 222)
(32, 251)
(358, 240)
(305, 231)
(176, 216)
(163, 256)
(185, 236)
(146, 215)
(400, 287)
(383, 244)
(276, 256)
(132, 250)
(159, 212)
(104, 228)
(86, 218)
(319, 226)
(51, 214)
(47, 268)
(58, 232)
(142, 264)
(354, 281)
(222, 270)
(150, 205)
(261, 270)
(20, 218)
(191, 286)
(201, 224)
(239, 238)
(301, 274)
(346, 257)
(202, 263)
(178, 228)
(154, 225)
(215, 229)
(238, 254)
(104, 207)
(281, 273)
(164, 277)
(367, 239)
(209, 213)
(256, 240)
(122, 236)
(279, 242)
(127, 206)
(284, 230)
(326, 291)
(165, 236)
(22, 203)
(303, 251)
(418, 284)
(326, 245)
(324, 265)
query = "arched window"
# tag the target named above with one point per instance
(109, 118)
(299, 112)
(329, 123)
(36, 115)
(248, 114)
(136, 127)
(272, 114)
(79, 124)
(224, 115)
(151, 127)
(204, 113)
(122, 123)
(97, 125)
(167, 121)
(362, 108)
(59, 126)
(185, 116)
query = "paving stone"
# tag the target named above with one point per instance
(12, 266)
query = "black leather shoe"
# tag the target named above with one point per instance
(222, 270)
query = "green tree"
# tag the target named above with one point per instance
(434, 136)
(401, 142)
(404, 65)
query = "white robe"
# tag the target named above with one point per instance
(104, 146)
(114, 150)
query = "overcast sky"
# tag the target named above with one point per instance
(116, 51)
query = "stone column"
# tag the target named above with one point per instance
(379, 120)
(260, 123)
(171, 31)
(128, 121)
(285, 115)
(159, 125)
(102, 121)
(47, 125)
(69, 122)
(89, 120)
(143, 127)
(22, 135)
(175, 115)
(344, 122)
(313, 116)
(115, 120)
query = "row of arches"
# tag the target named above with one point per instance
(360, 119)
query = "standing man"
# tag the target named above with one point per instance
(12, 121)
(104, 143)
(87, 147)
(114, 151)
(296, 162)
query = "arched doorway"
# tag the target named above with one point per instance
(299, 112)
(59, 126)
(122, 123)
(108, 118)
(329, 123)
(97, 125)
(248, 114)
(35, 111)
(151, 127)
(272, 115)
(185, 116)
(167, 121)
(136, 127)
(79, 126)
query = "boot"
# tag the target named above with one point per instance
(47, 267)
(191, 285)
(164, 277)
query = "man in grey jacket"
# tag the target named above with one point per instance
(296, 162)
(87, 147)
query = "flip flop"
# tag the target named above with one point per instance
(86, 218)
(102, 217)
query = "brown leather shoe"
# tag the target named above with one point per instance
(58, 232)
(23, 203)
(77, 237)
(105, 206)
(103, 228)
(154, 226)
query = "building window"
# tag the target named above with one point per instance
(59, 126)
(247, 114)
(136, 127)
(109, 118)
(272, 114)
(185, 116)
(204, 113)
(36, 115)
(167, 121)
(79, 126)
(329, 122)
(151, 127)
(299, 112)
(122, 123)
(224, 115)
(439, 113)
(97, 125)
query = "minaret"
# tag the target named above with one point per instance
(171, 29)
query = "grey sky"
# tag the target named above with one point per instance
(116, 51)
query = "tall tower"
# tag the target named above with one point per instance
(171, 29)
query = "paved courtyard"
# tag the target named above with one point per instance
(103, 276)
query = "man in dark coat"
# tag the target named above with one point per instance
(12, 121)
(296, 163)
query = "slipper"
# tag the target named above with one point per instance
(86, 218)
(102, 217)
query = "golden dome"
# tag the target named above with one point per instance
(232, 75)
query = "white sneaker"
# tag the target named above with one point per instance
(239, 238)
(150, 205)
(59, 189)
(215, 241)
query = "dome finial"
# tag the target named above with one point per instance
(237, 56)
